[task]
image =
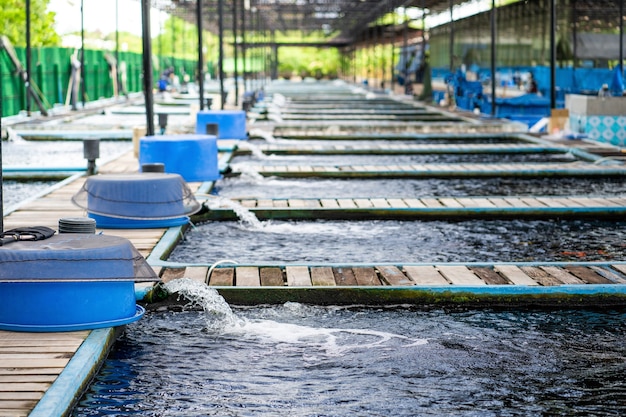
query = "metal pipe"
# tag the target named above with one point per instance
(200, 53)
(147, 66)
(493, 57)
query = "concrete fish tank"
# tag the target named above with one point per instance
(147, 200)
(70, 282)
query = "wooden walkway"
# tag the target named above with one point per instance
(460, 170)
(31, 362)
(527, 284)
(404, 149)
(425, 207)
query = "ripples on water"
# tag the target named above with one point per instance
(297, 360)
(404, 241)
(254, 186)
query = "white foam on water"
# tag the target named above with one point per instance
(254, 149)
(220, 318)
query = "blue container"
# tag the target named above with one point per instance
(68, 282)
(226, 124)
(67, 306)
(193, 157)
(108, 222)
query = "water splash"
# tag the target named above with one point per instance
(246, 217)
(254, 149)
(267, 136)
(220, 318)
(248, 172)
(218, 314)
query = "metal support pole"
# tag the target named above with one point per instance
(451, 36)
(28, 57)
(553, 54)
(220, 19)
(574, 34)
(621, 37)
(243, 44)
(236, 55)
(117, 50)
(83, 73)
(200, 54)
(147, 66)
(493, 57)
(1, 178)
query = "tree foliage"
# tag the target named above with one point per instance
(13, 23)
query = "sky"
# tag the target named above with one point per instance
(100, 14)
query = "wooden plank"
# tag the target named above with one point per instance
(540, 276)
(346, 203)
(222, 277)
(271, 277)
(280, 203)
(362, 202)
(562, 275)
(393, 276)
(450, 202)
(265, 203)
(247, 276)
(298, 276)
(197, 273)
(459, 275)
(365, 276)
(322, 276)
(16, 387)
(413, 203)
(329, 203)
(490, 276)
(431, 202)
(515, 275)
(296, 203)
(425, 275)
(4, 379)
(609, 274)
(172, 273)
(587, 275)
(379, 202)
(344, 276)
(396, 203)
(620, 268)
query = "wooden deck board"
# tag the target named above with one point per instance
(460, 275)
(425, 275)
(298, 276)
(271, 277)
(393, 276)
(322, 276)
(247, 276)
(344, 277)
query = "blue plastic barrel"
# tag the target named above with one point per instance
(227, 124)
(193, 157)
(68, 282)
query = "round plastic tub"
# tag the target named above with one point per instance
(148, 200)
(193, 157)
(68, 282)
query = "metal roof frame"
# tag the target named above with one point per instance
(341, 21)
